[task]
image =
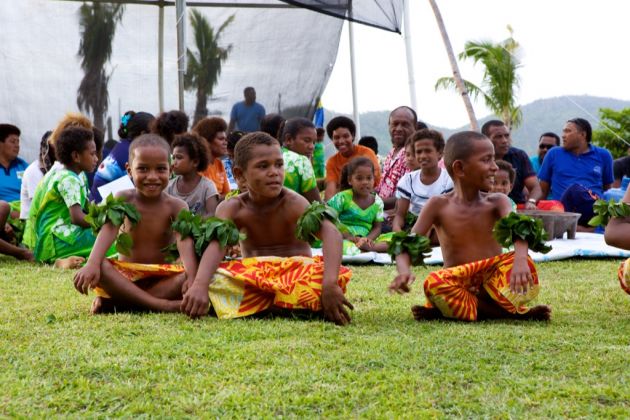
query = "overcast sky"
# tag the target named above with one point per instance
(569, 47)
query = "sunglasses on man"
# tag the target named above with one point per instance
(546, 146)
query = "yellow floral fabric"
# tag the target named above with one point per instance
(251, 285)
(136, 271)
(453, 290)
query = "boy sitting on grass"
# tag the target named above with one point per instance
(277, 271)
(141, 280)
(477, 282)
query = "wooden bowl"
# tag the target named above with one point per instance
(556, 223)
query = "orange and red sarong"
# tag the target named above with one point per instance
(624, 275)
(454, 290)
(251, 285)
(136, 271)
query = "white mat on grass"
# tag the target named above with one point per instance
(588, 245)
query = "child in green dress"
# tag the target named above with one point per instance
(360, 208)
(56, 228)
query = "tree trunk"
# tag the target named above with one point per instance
(451, 56)
(201, 108)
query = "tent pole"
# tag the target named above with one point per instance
(180, 12)
(409, 54)
(353, 79)
(161, 57)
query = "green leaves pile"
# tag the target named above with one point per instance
(203, 231)
(310, 221)
(417, 246)
(519, 226)
(114, 210)
(606, 210)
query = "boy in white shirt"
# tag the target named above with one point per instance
(415, 188)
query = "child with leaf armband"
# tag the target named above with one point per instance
(190, 157)
(277, 271)
(415, 188)
(616, 218)
(360, 209)
(140, 280)
(477, 282)
(57, 226)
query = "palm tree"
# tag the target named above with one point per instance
(204, 66)
(457, 78)
(97, 23)
(500, 80)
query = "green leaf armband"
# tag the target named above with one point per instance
(606, 210)
(516, 226)
(310, 221)
(114, 210)
(417, 247)
(187, 224)
(204, 231)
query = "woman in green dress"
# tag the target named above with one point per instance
(298, 141)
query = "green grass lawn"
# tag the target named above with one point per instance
(56, 360)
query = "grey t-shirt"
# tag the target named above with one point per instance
(196, 199)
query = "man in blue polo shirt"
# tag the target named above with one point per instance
(246, 115)
(11, 166)
(577, 173)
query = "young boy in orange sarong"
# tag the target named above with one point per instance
(277, 271)
(478, 281)
(142, 280)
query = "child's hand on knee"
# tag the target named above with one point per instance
(521, 278)
(87, 278)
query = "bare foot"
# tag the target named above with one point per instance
(172, 305)
(69, 263)
(538, 313)
(102, 306)
(421, 313)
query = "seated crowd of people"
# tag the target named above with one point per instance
(254, 190)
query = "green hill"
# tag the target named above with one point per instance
(538, 117)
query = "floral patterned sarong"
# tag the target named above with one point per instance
(624, 275)
(251, 285)
(450, 291)
(136, 271)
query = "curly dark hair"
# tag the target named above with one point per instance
(341, 122)
(209, 127)
(170, 124)
(196, 147)
(350, 167)
(427, 134)
(72, 139)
